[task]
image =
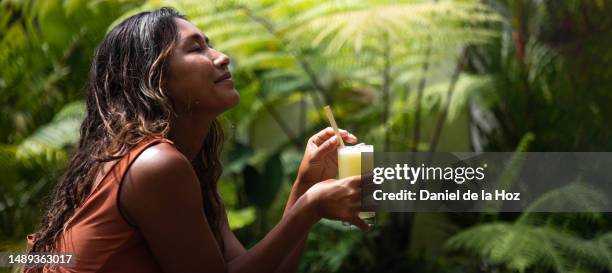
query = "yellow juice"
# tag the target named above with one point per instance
(349, 164)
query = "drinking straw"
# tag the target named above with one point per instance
(332, 121)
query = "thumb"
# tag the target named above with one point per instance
(361, 224)
(328, 146)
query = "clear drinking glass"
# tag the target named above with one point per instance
(350, 164)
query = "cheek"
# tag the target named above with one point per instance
(193, 69)
(189, 78)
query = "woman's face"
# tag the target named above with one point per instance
(199, 80)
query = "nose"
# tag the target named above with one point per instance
(222, 60)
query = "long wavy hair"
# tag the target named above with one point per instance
(126, 104)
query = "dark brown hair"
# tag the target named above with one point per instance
(126, 105)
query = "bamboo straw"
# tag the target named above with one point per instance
(332, 121)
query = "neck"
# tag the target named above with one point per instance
(188, 132)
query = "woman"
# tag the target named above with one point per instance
(140, 193)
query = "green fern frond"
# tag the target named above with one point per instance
(351, 24)
(572, 197)
(521, 247)
(268, 61)
(48, 142)
(280, 83)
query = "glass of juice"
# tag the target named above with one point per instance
(350, 159)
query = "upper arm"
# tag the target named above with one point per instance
(161, 195)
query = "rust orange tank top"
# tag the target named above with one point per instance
(98, 234)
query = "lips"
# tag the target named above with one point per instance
(225, 76)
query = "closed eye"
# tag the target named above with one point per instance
(196, 49)
(208, 42)
(199, 43)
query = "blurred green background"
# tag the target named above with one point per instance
(524, 75)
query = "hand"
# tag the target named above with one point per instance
(320, 160)
(338, 200)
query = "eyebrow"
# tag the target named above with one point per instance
(196, 37)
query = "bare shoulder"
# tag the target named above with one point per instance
(159, 158)
(160, 176)
(161, 196)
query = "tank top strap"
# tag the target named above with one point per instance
(126, 161)
(121, 168)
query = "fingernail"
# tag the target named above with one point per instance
(334, 140)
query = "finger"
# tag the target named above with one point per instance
(328, 146)
(327, 133)
(349, 138)
(355, 192)
(355, 220)
(322, 136)
(353, 181)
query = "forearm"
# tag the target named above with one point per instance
(297, 190)
(292, 261)
(273, 249)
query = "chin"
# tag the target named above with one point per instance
(235, 99)
(230, 102)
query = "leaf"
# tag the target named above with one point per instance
(49, 140)
(238, 157)
(281, 83)
(522, 247)
(262, 189)
(273, 175)
(241, 218)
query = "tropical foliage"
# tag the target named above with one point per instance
(415, 75)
